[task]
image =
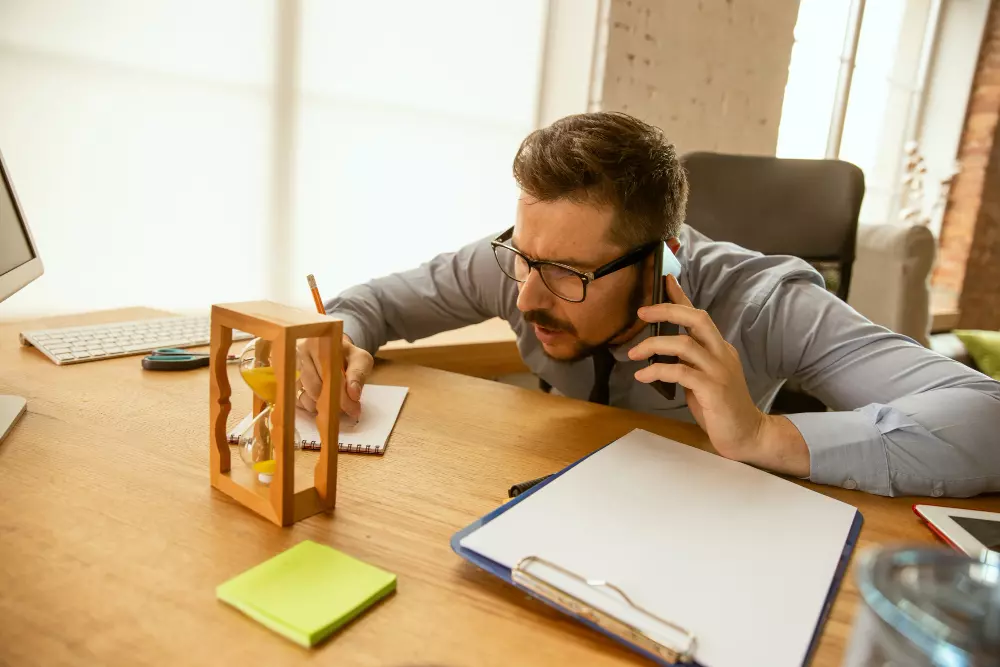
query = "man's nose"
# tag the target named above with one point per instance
(533, 294)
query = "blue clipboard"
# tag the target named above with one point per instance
(505, 572)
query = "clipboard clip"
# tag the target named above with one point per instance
(681, 655)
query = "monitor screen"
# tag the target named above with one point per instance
(15, 249)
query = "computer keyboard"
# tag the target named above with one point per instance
(74, 345)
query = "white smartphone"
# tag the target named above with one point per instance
(969, 531)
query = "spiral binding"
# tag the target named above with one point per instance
(313, 446)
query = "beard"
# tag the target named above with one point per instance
(583, 349)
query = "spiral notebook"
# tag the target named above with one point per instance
(380, 406)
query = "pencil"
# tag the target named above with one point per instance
(315, 292)
(311, 279)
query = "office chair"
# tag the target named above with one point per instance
(805, 208)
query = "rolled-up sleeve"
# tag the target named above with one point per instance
(905, 420)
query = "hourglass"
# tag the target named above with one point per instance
(268, 367)
(255, 444)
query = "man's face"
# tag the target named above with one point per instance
(576, 234)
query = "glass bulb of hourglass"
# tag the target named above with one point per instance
(256, 447)
(255, 443)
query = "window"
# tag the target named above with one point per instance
(175, 154)
(884, 69)
(138, 141)
(407, 130)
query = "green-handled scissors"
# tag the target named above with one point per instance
(177, 359)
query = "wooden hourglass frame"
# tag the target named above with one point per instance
(278, 328)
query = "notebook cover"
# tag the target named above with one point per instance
(307, 592)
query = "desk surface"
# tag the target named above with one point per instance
(486, 350)
(112, 541)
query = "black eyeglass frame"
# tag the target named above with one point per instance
(586, 277)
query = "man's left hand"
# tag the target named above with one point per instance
(710, 371)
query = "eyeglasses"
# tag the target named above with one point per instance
(564, 281)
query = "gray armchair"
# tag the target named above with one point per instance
(806, 208)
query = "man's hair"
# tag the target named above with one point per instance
(608, 159)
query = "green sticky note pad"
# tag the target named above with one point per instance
(307, 592)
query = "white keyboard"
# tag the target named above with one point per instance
(74, 345)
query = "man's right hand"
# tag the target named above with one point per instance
(357, 366)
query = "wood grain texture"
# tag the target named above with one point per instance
(219, 393)
(494, 330)
(283, 431)
(485, 350)
(328, 416)
(278, 328)
(112, 541)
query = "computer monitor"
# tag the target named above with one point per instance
(19, 265)
(19, 261)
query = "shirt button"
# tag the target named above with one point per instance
(850, 484)
(938, 491)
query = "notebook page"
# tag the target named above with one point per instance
(380, 406)
(740, 557)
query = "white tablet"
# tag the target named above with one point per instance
(970, 531)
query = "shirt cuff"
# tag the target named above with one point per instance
(356, 332)
(845, 449)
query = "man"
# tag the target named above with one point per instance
(599, 187)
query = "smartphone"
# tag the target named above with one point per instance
(664, 264)
(970, 531)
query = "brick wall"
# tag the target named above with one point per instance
(710, 73)
(968, 267)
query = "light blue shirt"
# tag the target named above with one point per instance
(904, 420)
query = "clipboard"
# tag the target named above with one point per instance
(681, 652)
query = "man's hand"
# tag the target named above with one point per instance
(712, 376)
(357, 366)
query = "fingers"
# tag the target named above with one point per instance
(348, 405)
(358, 366)
(690, 378)
(309, 375)
(686, 348)
(697, 322)
(677, 294)
(306, 403)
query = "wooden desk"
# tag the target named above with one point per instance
(485, 350)
(112, 541)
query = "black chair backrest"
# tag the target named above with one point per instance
(776, 206)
